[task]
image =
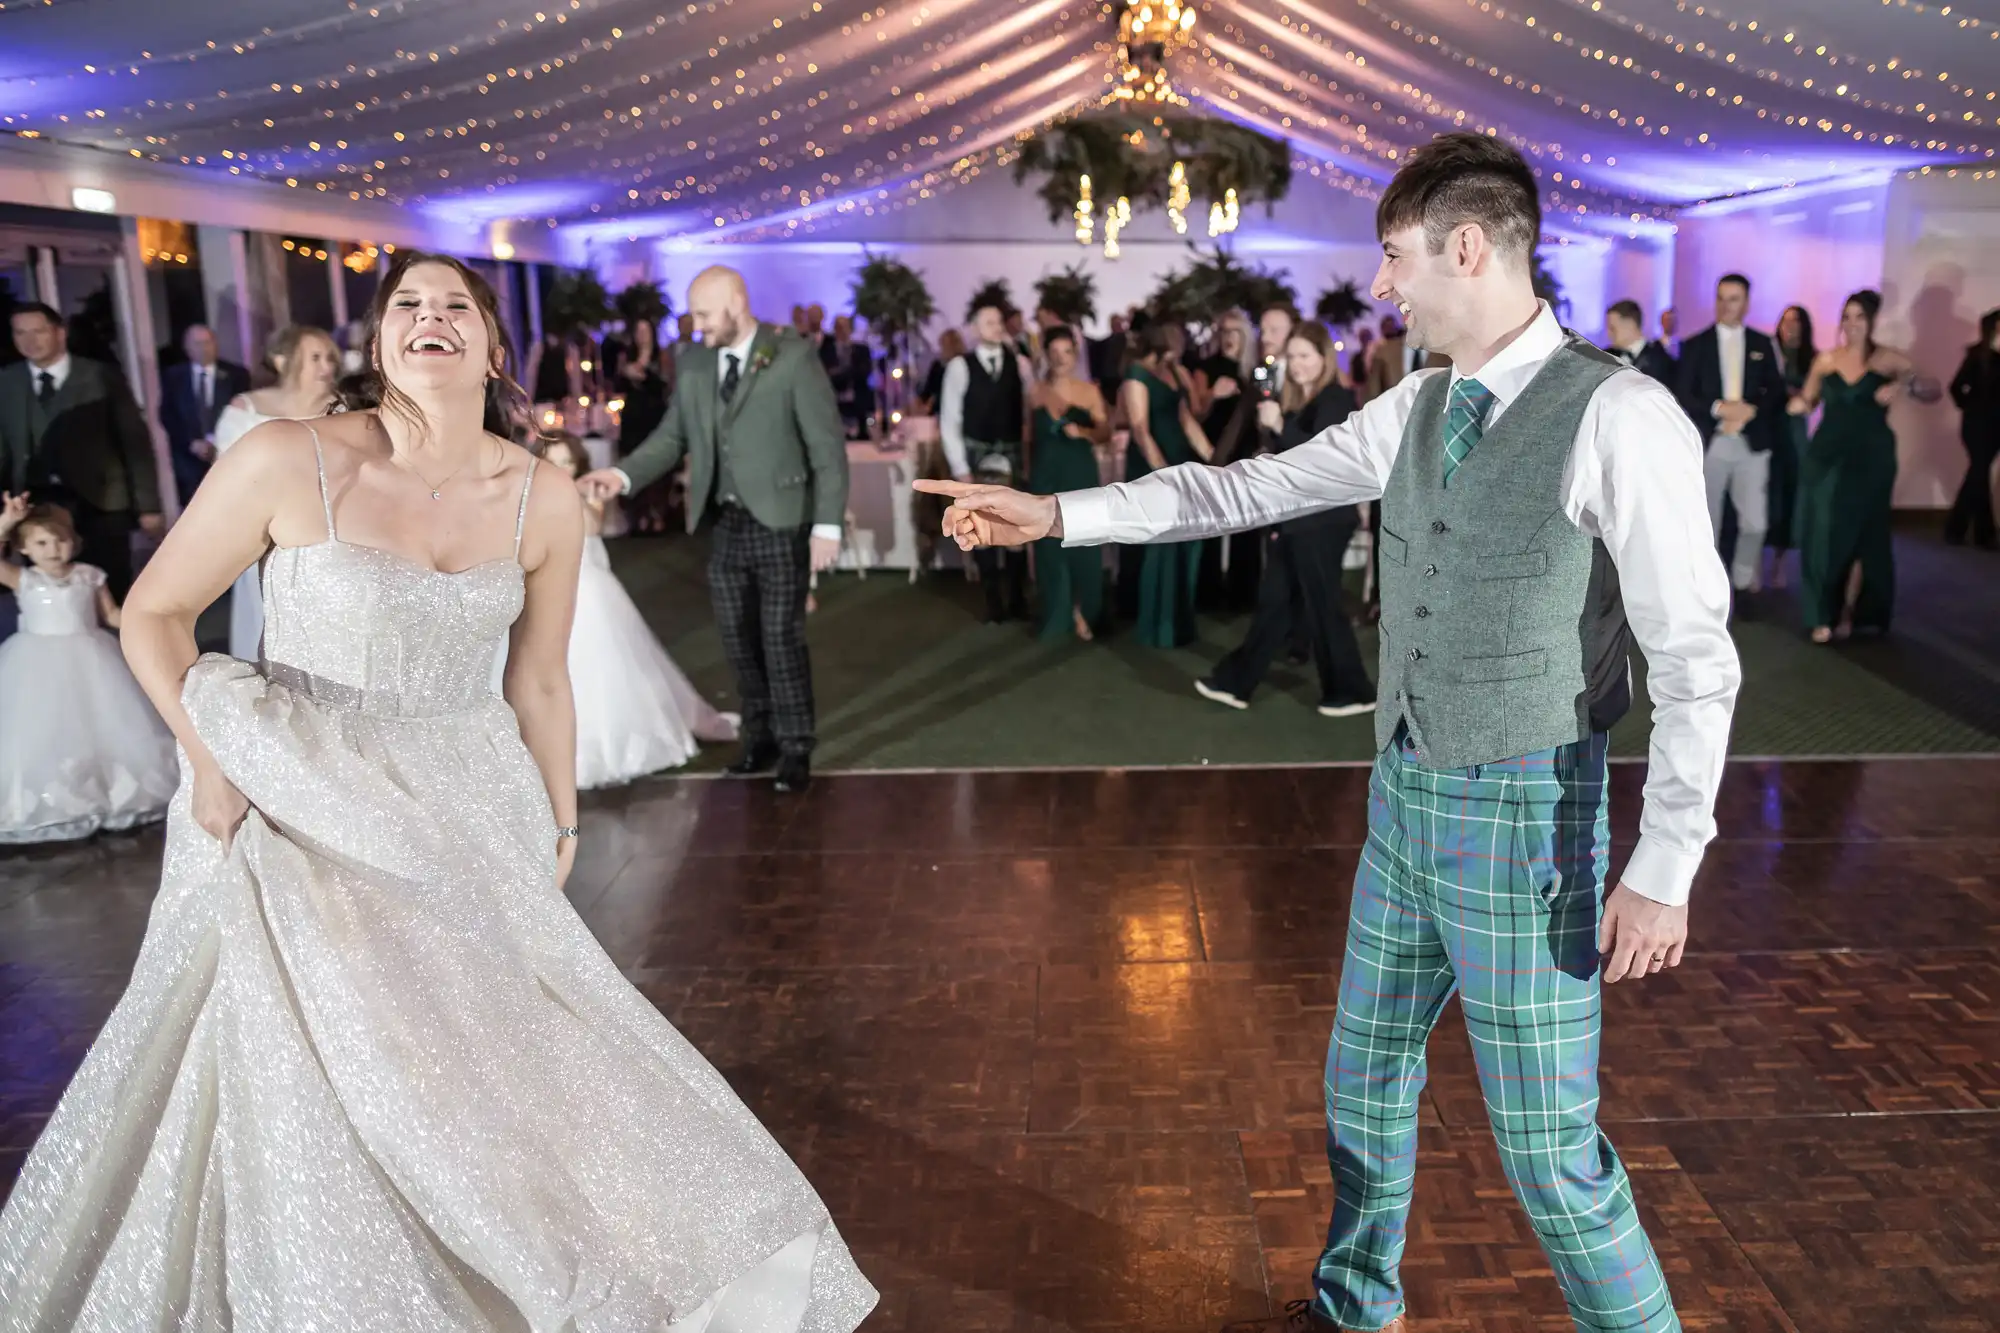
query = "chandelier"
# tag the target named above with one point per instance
(1149, 31)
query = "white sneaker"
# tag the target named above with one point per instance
(1345, 710)
(1208, 691)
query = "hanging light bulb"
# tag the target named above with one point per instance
(1083, 211)
(1178, 198)
(1115, 220)
(1222, 217)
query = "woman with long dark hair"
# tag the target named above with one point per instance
(641, 377)
(1847, 479)
(1069, 419)
(1302, 563)
(1796, 353)
(1976, 390)
(372, 1071)
(1164, 434)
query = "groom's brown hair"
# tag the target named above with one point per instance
(1465, 177)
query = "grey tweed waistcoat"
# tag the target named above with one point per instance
(1502, 630)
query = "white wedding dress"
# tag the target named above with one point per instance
(81, 747)
(636, 711)
(246, 595)
(372, 1072)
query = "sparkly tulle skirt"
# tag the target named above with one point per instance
(372, 1072)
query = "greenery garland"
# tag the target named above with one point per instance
(1131, 156)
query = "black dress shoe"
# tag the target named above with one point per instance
(1299, 1317)
(755, 759)
(794, 773)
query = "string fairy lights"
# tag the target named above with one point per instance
(738, 119)
(1178, 198)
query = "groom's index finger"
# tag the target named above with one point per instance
(939, 486)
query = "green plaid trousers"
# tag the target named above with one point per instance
(1487, 882)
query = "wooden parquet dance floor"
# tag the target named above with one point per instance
(1050, 1044)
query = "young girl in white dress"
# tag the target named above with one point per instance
(307, 364)
(372, 1070)
(636, 713)
(81, 748)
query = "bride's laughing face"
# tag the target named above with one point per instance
(434, 337)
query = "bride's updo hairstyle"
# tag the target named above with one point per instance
(509, 412)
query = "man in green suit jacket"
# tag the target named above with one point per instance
(71, 435)
(754, 414)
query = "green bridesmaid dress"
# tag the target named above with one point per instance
(1071, 578)
(1168, 572)
(1846, 482)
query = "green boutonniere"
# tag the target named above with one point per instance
(761, 361)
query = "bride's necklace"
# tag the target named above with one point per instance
(436, 490)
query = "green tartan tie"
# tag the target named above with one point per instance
(1464, 422)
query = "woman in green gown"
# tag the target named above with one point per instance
(1069, 419)
(1164, 433)
(1847, 575)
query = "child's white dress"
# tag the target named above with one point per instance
(636, 713)
(81, 747)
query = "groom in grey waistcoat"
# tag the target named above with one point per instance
(1542, 511)
(754, 414)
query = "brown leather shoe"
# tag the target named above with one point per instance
(1304, 1317)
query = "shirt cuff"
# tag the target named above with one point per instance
(827, 532)
(624, 481)
(1086, 517)
(1659, 872)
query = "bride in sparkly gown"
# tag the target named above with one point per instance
(372, 1072)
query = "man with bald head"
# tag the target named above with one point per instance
(192, 396)
(754, 414)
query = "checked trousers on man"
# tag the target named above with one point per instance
(1487, 882)
(758, 578)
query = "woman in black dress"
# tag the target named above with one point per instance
(1796, 354)
(1976, 390)
(1302, 559)
(639, 378)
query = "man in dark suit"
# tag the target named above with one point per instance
(754, 414)
(71, 435)
(1732, 387)
(192, 396)
(1625, 326)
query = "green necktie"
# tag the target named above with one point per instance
(1464, 422)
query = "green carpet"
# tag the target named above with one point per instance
(907, 677)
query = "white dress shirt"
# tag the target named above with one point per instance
(57, 371)
(1633, 481)
(951, 401)
(740, 349)
(1729, 350)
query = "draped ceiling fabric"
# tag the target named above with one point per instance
(760, 119)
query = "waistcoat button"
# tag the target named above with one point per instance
(1423, 611)
(1430, 571)
(1416, 654)
(1437, 525)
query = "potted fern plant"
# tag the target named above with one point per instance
(892, 298)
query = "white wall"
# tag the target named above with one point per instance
(991, 228)
(1926, 241)
(1797, 247)
(1941, 271)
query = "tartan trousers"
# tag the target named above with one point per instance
(1487, 882)
(758, 578)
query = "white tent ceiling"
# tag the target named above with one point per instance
(765, 118)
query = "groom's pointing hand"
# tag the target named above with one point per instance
(994, 515)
